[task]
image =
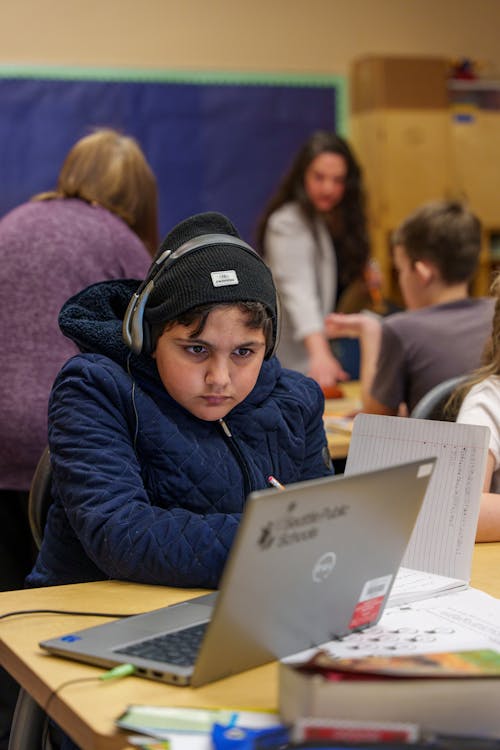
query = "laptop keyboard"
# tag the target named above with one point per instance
(179, 647)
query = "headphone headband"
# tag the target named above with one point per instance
(203, 240)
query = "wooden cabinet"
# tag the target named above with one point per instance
(419, 138)
(405, 156)
(475, 141)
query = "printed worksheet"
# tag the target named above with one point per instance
(443, 538)
(410, 585)
(466, 620)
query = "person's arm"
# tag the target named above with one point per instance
(323, 366)
(488, 527)
(481, 407)
(99, 477)
(368, 329)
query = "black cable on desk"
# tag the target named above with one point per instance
(63, 612)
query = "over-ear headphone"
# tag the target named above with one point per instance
(136, 331)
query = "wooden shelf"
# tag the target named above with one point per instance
(445, 148)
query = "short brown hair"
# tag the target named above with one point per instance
(110, 169)
(445, 233)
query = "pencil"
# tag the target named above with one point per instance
(274, 483)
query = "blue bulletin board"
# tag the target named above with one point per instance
(215, 141)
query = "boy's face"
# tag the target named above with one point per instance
(410, 281)
(212, 373)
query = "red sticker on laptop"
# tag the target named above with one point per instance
(370, 601)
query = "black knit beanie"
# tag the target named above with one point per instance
(218, 273)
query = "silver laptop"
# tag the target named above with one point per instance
(309, 564)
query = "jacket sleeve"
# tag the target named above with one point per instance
(293, 258)
(317, 461)
(98, 478)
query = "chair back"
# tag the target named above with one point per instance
(432, 404)
(40, 497)
(28, 728)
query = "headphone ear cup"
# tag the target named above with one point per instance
(147, 338)
(136, 332)
(277, 329)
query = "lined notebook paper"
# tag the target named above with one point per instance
(443, 538)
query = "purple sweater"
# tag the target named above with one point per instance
(49, 250)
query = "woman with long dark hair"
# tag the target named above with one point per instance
(313, 235)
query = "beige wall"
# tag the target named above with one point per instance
(292, 36)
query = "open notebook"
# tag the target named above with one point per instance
(438, 558)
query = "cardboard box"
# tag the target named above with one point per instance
(399, 82)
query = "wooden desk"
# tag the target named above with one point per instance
(87, 710)
(338, 443)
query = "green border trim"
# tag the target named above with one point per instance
(144, 75)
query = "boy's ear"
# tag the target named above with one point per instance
(425, 270)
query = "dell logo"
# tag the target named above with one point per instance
(324, 567)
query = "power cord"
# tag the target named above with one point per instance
(63, 612)
(118, 672)
(122, 670)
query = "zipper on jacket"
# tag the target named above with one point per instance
(236, 450)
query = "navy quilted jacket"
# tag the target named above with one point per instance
(143, 490)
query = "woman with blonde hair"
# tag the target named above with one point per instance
(99, 223)
(109, 169)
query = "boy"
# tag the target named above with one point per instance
(157, 438)
(443, 331)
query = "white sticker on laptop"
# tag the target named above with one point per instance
(224, 278)
(424, 470)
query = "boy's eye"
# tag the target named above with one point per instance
(243, 352)
(196, 349)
